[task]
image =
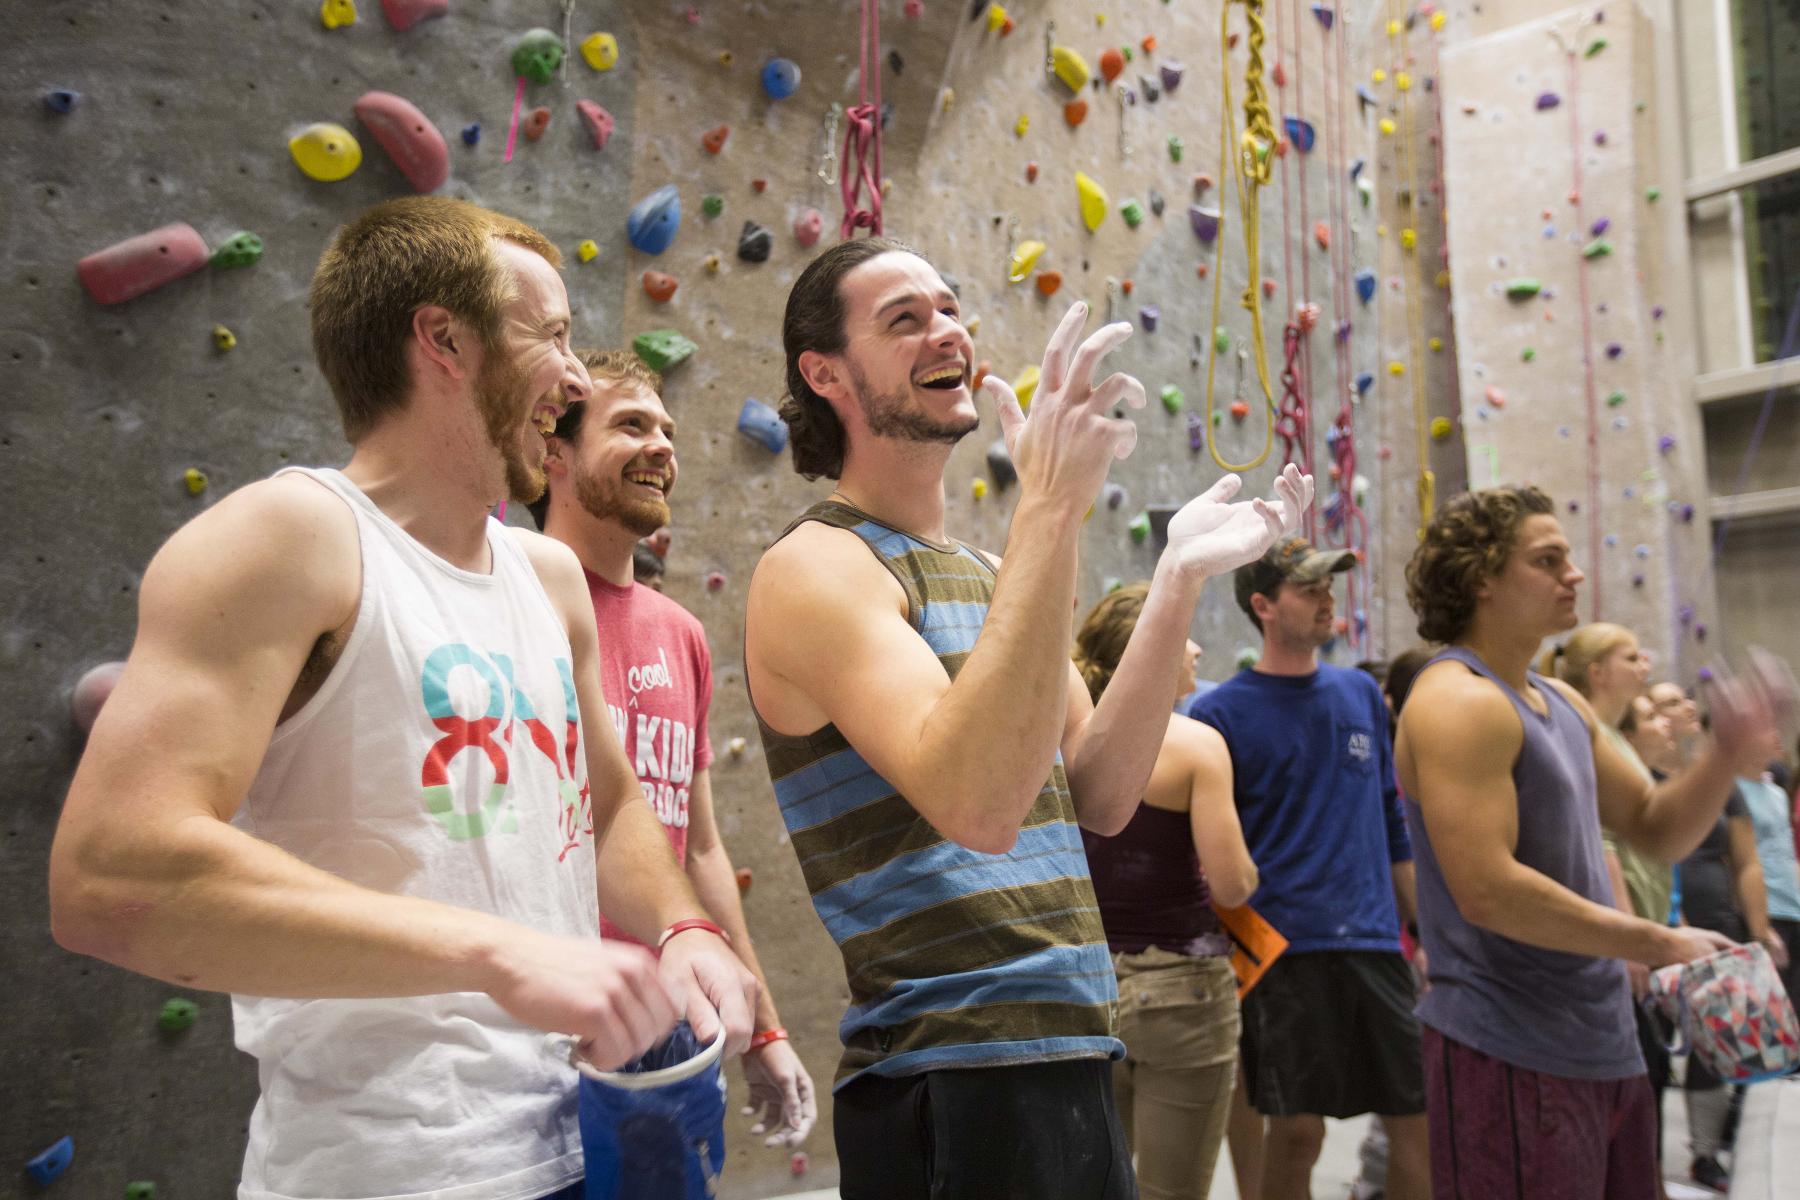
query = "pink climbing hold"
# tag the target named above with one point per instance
(404, 14)
(408, 136)
(808, 226)
(599, 121)
(142, 264)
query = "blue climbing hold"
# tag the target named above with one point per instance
(61, 101)
(1364, 381)
(471, 133)
(762, 425)
(1325, 15)
(780, 78)
(1300, 133)
(52, 1162)
(1365, 285)
(1356, 168)
(654, 220)
(1365, 99)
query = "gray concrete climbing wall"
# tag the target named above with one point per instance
(184, 119)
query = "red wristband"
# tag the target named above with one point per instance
(687, 923)
(759, 1040)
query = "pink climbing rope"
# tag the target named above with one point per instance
(862, 135)
(512, 131)
(1587, 340)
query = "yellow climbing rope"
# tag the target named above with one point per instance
(1250, 163)
(1415, 318)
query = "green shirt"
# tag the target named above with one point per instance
(1649, 883)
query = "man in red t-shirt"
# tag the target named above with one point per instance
(611, 466)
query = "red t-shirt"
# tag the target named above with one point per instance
(656, 672)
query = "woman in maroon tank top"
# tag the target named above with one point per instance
(1156, 882)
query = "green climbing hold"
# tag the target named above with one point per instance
(1246, 658)
(1523, 288)
(1598, 248)
(1172, 398)
(1111, 584)
(1653, 193)
(1527, 354)
(1221, 339)
(1614, 399)
(1140, 527)
(1175, 147)
(1596, 46)
(1126, 51)
(239, 250)
(1133, 212)
(537, 55)
(177, 1014)
(1218, 419)
(141, 1189)
(712, 204)
(662, 348)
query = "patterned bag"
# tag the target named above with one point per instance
(1732, 1012)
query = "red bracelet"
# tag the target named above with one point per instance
(687, 923)
(759, 1040)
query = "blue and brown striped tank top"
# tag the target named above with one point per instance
(954, 958)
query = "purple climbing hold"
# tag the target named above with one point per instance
(1700, 632)
(1356, 168)
(1687, 514)
(1196, 429)
(1613, 349)
(1115, 495)
(471, 133)
(1205, 222)
(1171, 75)
(1656, 312)
(1324, 14)
(1343, 331)
(1148, 316)
(1602, 225)
(1665, 443)
(1600, 138)
(1548, 100)
(1705, 675)
(1685, 614)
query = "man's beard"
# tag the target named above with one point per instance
(893, 415)
(497, 397)
(608, 501)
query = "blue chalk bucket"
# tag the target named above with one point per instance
(655, 1129)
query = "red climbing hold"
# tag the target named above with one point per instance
(1268, 286)
(1201, 269)
(1075, 112)
(714, 141)
(1031, 172)
(745, 877)
(536, 123)
(1048, 282)
(1111, 63)
(1279, 74)
(404, 14)
(142, 264)
(981, 372)
(599, 121)
(759, 186)
(659, 287)
(409, 138)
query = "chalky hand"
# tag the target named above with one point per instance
(1212, 535)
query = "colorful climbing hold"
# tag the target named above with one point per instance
(659, 287)
(1440, 428)
(713, 140)
(1048, 282)
(808, 226)
(1364, 381)
(1322, 234)
(1025, 386)
(1204, 222)
(404, 14)
(1615, 398)
(1495, 398)
(48, 1164)
(195, 480)
(536, 122)
(1021, 125)
(141, 264)
(780, 78)
(1139, 528)
(471, 133)
(1091, 198)
(662, 348)
(653, 220)
(1024, 257)
(223, 338)
(334, 14)
(1387, 126)
(61, 101)
(1527, 354)
(1172, 399)
(1000, 464)
(325, 152)
(1069, 67)
(600, 50)
(1523, 288)
(537, 54)
(1547, 101)
(1171, 74)
(1594, 47)
(1239, 410)
(1408, 239)
(1365, 284)
(1148, 316)
(408, 137)
(1075, 112)
(712, 204)
(1396, 367)
(599, 122)
(978, 489)
(178, 1013)
(755, 243)
(1653, 193)
(1114, 495)
(1598, 248)
(1300, 132)
(241, 249)
(1112, 62)
(715, 580)
(587, 250)
(1175, 147)
(1133, 212)
(140, 1189)
(1031, 172)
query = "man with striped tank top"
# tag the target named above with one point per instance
(1535, 1086)
(933, 751)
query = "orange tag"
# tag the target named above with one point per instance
(1255, 944)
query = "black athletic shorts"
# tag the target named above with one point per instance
(1039, 1131)
(1332, 1034)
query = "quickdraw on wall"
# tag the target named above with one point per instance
(861, 165)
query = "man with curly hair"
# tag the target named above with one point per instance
(1535, 1084)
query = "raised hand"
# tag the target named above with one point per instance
(1753, 713)
(1063, 448)
(1212, 535)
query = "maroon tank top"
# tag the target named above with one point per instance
(1150, 886)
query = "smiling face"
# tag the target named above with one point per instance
(622, 465)
(1535, 590)
(907, 359)
(530, 374)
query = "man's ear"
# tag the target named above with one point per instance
(1263, 607)
(442, 341)
(824, 374)
(556, 458)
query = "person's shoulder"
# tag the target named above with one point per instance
(1190, 739)
(547, 555)
(1451, 698)
(816, 560)
(650, 604)
(288, 525)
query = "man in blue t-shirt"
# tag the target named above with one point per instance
(1329, 1030)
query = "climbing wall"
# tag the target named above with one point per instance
(1568, 369)
(125, 419)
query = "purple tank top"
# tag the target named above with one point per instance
(1150, 886)
(1543, 1010)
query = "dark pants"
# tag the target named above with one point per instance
(1030, 1131)
(575, 1191)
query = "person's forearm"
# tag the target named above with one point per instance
(1528, 906)
(202, 904)
(989, 743)
(715, 883)
(1406, 892)
(1110, 764)
(1681, 811)
(1753, 900)
(642, 888)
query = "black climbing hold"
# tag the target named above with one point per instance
(755, 243)
(887, 115)
(1000, 465)
(61, 101)
(896, 62)
(1156, 202)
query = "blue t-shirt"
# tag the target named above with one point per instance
(1768, 807)
(1314, 780)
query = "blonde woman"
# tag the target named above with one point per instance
(1156, 882)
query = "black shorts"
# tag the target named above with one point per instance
(1332, 1034)
(986, 1133)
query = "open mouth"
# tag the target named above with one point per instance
(544, 417)
(946, 378)
(650, 479)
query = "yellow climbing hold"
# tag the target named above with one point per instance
(586, 250)
(1070, 67)
(1387, 126)
(1436, 344)
(1379, 75)
(1024, 257)
(1443, 279)
(195, 479)
(334, 13)
(1021, 125)
(996, 18)
(1093, 201)
(223, 338)
(978, 489)
(1402, 81)
(1440, 428)
(600, 50)
(1025, 386)
(1393, 28)
(1437, 20)
(1408, 239)
(1396, 367)
(326, 152)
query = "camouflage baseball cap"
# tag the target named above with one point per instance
(1290, 560)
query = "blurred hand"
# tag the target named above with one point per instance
(781, 1095)
(1684, 943)
(1771, 941)
(1753, 713)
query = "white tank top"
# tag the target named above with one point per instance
(441, 758)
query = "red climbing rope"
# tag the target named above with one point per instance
(862, 134)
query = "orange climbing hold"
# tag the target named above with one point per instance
(1048, 282)
(1201, 269)
(1239, 410)
(536, 123)
(1322, 235)
(1075, 112)
(759, 186)
(1125, 286)
(1149, 44)
(1279, 74)
(714, 141)
(1268, 286)
(1031, 172)
(982, 369)
(659, 287)
(1202, 182)
(1112, 63)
